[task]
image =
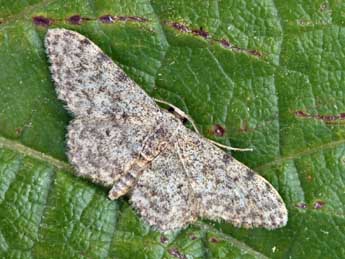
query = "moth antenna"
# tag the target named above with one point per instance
(229, 147)
(183, 114)
(179, 112)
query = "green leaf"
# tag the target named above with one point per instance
(261, 74)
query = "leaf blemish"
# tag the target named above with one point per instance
(214, 240)
(180, 27)
(76, 19)
(200, 32)
(206, 35)
(255, 53)
(132, 18)
(325, 118)
(164, 239)
(42, 21)
(176, 253)
(111, 19)
(225, 43)
(301, 114)
(301, 205)
(218, 130)
(19, 131)
(319, 204)
(192, 237)
(106, 18)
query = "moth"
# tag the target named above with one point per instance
(121, 139)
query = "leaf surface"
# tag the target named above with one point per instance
(262, 74)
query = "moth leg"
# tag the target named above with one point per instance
(128, 180)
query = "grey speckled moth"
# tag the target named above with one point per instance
(121, 139)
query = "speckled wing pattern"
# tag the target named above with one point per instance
(113, 116)
(227, 189)
(206, 182)
(121, 139)
(163, 196)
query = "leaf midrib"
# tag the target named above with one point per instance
(27, 151)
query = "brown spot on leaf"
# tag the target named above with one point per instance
(214, 240)
(301, 205)
(19, 131)
(192, 237)
(176, 253)
(254, 53)
(328, 117)
(206, 35)
(301, 114)
(218, 130)
(42, 21)
(324, 117)
(319, 204)
(164, 239)
(75, 19)
(225, 43)
(106, 18)
(200, 32)
(131, 18)
(180, 27)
